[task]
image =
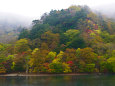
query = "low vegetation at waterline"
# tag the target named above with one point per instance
(73, 40)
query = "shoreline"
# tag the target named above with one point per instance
(24, 74)
(48, 74)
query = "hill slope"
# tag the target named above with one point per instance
(63, 41)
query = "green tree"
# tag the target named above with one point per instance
(37, 30)
(24, 34)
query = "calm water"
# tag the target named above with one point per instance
(82, 80)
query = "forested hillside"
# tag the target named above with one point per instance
(63, 41)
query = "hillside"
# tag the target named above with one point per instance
(63, 41)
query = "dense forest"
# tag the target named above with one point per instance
(73, 40)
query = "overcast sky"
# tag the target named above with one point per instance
(35, 8)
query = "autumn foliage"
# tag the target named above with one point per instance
(73, 40)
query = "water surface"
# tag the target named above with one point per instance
(77, 80)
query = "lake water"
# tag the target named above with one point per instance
(81, 80)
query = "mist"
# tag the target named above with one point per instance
(14, 19)
(10, 21)
(107, 10)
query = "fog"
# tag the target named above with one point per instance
(14, 19)
(22, 12)
(107, 10)
(10, 21)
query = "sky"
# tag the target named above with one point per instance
(35, 8)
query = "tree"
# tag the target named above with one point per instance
(51, 56)
(56, 67)
(51, 39)
(111, 64)
(75, 41)
(37, 30)
(37, 59)
(21, 46)
(86, 59)
(90, 68)
(24, 34)
(87, 55)
(71, 33)
(70, 55)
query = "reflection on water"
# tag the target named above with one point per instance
(82, 80)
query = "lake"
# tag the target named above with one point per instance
(75, 80)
